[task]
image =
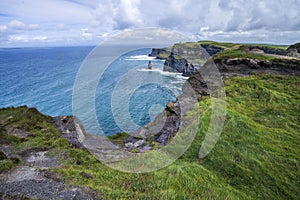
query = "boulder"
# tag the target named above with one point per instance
(253, 64)
(294, 51)
(71, 129)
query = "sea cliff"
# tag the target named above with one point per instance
(256, 157)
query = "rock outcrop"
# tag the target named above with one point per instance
(173, 64)
(157, 53)
(247, 66)
(212, 49)
(71, 129)
(264, 49)
(294, 50)
(184, 57)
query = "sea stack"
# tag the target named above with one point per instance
(149, 65)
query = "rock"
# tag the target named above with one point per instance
(149, 65)
(156, 52)
(139, 143)
(190, 51)
(173, 64)
(189, 70)
(86, 175)
(41, 160)
(293, 53)
(253, 64)
(129, 144)
(237, 61)
(295, 46)
(131, 139)
(173, 107)
(294, 50)
(212, 49)
(2, 156)
(146, 148)
(246, 66)
(71, 129)
(264, 49)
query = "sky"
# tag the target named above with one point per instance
(90, 22)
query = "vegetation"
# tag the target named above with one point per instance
(119, 138)
(271, 46)
(256, 157)
(231, 50)
(224, 45)
(238, 53)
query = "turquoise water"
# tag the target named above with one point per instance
(44, 78)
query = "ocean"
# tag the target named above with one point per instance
(44, 78)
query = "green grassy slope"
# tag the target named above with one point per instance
(256, 157)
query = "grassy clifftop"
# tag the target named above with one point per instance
(256, 157)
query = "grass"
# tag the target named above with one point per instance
(119, 138)
(164, 56)
(282, 47)
(256, 157)
(231, 50)
(224, 45)
(237, 53)
(258, 150)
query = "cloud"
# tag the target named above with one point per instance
(128, 14)
(16, 25)
(82, 21)
(47, 11)
(26, 38)
(86, 34)
(3, 29)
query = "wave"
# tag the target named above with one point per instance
(164, 73)
(140, 57)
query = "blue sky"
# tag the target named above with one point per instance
(79, 22)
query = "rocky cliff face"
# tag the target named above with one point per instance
(190, 51)
(212, 49)
(247, 66)
(184, 57)
(176, 65)
(157, 53)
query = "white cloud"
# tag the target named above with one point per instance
(33, 26)
(61, 27)
(103, 16)
(66, 20)
(3, 28)
(128, 14)
(26, 38)
(86, 34)
(47, 10)
(18, 25)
